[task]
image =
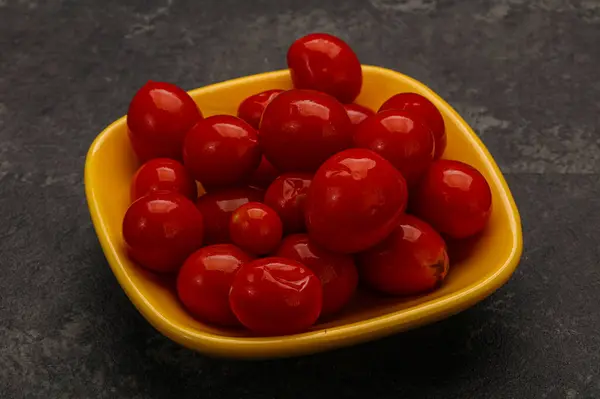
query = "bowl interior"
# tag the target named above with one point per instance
(490, 261)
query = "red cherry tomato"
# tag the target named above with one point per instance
(358, 113)
(337, 272)
(256, 228)
(252, 108)
(400, 137)
(417, 104)
(161, 230)
(264, 175)
(205, 279)
(163, 174)
(159, 116)
(287, 195)
(325, 63)
(454, 198)
(276, 296)
(221, 150)
(217, 206)
(410, 261)
(461, 248)
(355, 200)
(300, 129)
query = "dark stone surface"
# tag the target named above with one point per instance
(524, 73)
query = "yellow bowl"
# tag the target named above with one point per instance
(491, 261)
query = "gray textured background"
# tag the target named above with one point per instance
(524, 73)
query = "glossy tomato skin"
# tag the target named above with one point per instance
(323, 62)
(412, 260)
(454, 198)
(218, 205)
(400, 137)
(159, 116)
(355, 200)
(264, 175)
(276, 296)
(300, 129)
(256, 228)
(252, 108)
(358, 113)
(163, 174)
(221, 150)
(286, 195)
(337, 272)
(419, 105)
(205, 279)
(161, 230)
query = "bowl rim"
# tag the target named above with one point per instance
(317, 340)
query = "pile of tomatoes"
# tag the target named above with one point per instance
(306, 194)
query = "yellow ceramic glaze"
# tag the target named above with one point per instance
(111, 163)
